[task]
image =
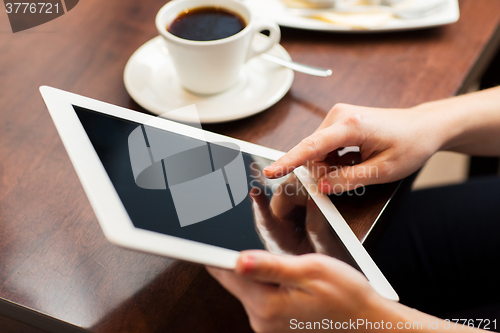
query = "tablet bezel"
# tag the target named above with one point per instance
(115, 221)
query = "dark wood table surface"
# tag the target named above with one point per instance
(57, 271)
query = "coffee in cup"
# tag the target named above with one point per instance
(206, 23)
(210, 40)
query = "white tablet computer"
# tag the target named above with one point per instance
(171, 189)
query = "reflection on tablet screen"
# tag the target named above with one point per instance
(211, 193)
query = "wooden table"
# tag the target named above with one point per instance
(59, 274)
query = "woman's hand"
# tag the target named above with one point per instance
(393, 144)
(289, 293)
(279, 292)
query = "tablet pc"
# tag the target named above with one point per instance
(175, 190)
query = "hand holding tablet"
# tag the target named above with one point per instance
(308, 292)
(148, 214)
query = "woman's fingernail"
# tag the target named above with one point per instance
(248, 263)
(254, 192)
(269, 169)
(325, 187)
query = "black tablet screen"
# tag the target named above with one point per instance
(206, 192)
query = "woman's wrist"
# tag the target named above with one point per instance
(447, 121)
(382, 314)
(468, 123)
(437, 125)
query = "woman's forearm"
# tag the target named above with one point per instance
(470, 123)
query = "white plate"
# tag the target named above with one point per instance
(276, 10)
(151, 80)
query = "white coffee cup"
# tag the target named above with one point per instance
(209, 67)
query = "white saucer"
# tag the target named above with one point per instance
(151, 80)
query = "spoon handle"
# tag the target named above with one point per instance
(311, 70)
